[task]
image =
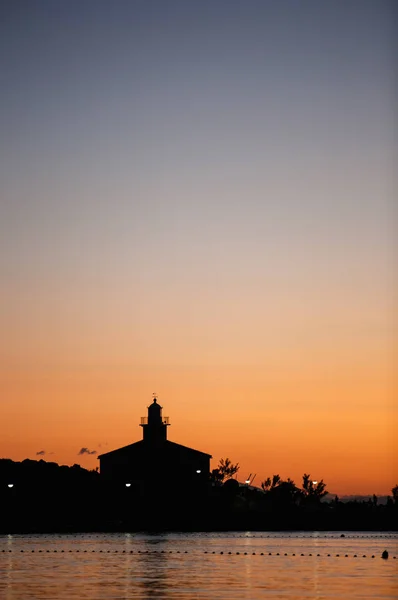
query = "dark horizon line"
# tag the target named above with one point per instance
(329, 495)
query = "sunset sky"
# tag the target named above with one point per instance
(197, 199)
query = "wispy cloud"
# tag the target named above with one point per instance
(86, 451)
(41, 453)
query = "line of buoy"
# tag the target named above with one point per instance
(384, 555)
(318, 537)
(271, 536)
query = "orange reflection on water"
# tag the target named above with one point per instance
(206, 566)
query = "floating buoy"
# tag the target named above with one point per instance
(384, 554)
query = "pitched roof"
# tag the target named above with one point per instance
(139, 443)
(166, 442)
(187, 448)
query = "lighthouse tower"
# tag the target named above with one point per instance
(155, 425)
(155, 459)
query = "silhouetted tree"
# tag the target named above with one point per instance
(280, 492)
(269, 484)
(394, 492)
(225, 470)
(313, 490)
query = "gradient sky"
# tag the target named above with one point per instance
(197, 200)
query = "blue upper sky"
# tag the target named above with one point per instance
(198, 150)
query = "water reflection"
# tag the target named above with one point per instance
(9, 568)
(154, 574)
(186, 566)
(315, 572)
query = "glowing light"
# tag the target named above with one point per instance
(10, 485)
(198, 471)
(128, 484)
(247, 481)
(315, 482)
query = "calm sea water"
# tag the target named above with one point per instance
(199, 565)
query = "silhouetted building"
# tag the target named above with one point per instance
(155, 461)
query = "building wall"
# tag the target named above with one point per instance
(167, 462)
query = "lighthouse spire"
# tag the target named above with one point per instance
(154, 425)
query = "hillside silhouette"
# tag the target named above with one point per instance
(40, 496)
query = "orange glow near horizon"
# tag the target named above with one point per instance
(267, 422)
(200, 201)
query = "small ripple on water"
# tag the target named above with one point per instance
(185, 566)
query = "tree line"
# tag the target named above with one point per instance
(40, 496)
(285, 490)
